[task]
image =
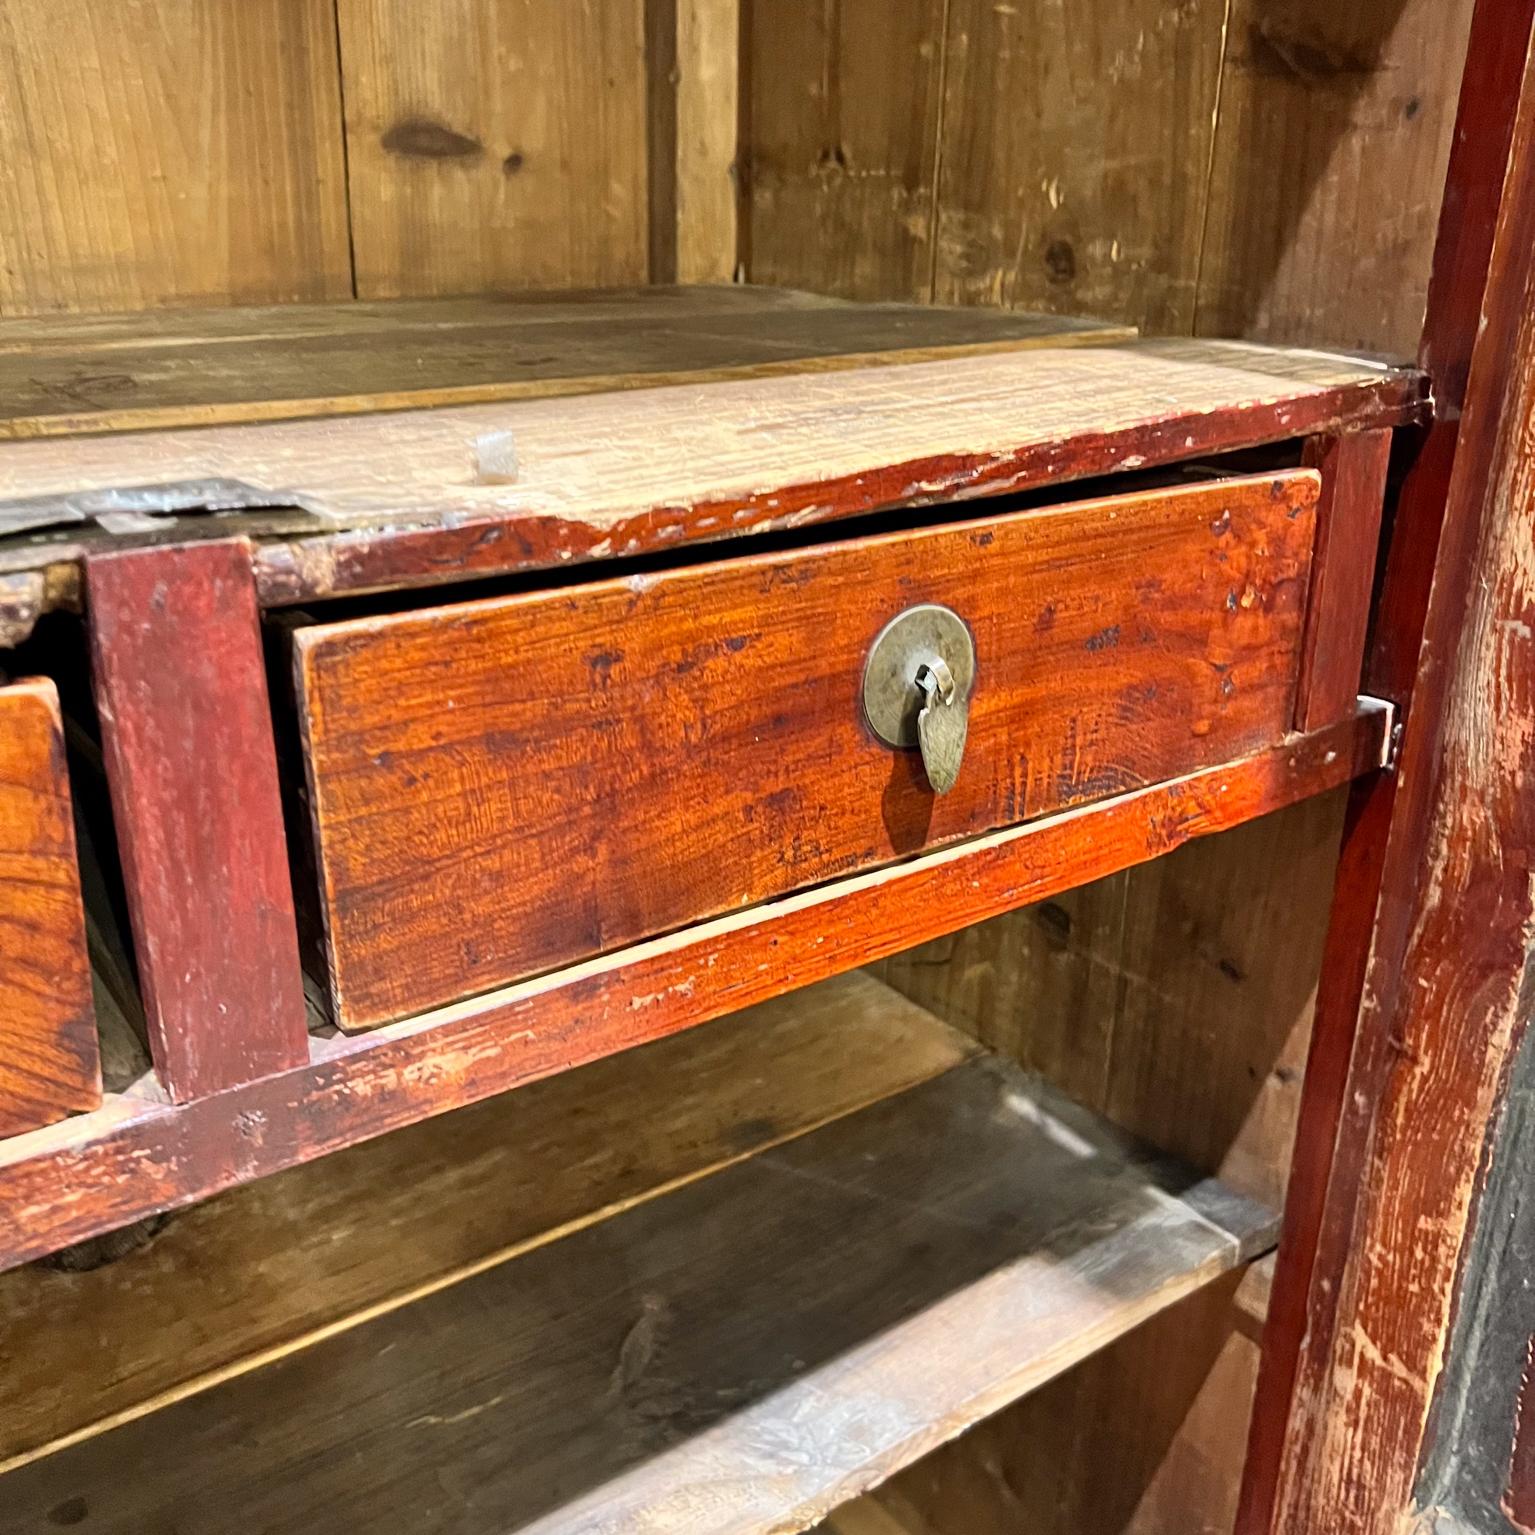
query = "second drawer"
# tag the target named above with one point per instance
(504, 785)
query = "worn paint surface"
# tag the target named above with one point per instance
(1444, 997)
(187, 737)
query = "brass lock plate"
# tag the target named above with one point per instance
(913, 640)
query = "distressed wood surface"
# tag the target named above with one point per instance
(1329, 160)
(1064, 1453)
(187, 736)
(1118, 642)
(1353, 160)
(1075, 156)
(741, 1354)
(494, 144)
(49, 1061)
(158, 154)
(1353, 470)
(1161, 998)
(842, 111)
(587, 479)
(1480, 1465)
(279, 1263)
(1442, 1001)
(372, 1083)
(196, 368)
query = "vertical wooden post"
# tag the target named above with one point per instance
(1419, 1005)
(1343, 572)
(187, 735)
(692, 50)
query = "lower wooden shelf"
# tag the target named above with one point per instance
(740, 1353)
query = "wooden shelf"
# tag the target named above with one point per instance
(139, 1154)
(739, 1354)
(699, 414)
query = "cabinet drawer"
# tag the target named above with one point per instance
(49, 1061)
(505, 785)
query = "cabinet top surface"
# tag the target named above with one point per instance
(376, 445)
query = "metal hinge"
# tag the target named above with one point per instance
(1391, 738)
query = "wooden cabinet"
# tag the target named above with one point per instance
(558, 727)
(560, 723)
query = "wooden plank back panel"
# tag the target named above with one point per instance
(1075, 153)
(49, 1061)
(842, 144)
(1328, 170)
(159, 153)
(495, 144)
(505, 785)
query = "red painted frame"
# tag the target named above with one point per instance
(1376, 1018)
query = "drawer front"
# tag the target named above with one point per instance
(48, 1053)
(506, 785)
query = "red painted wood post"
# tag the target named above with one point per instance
(1366, 1193)
(1343, 572)
(187, 735)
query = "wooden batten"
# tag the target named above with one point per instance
(1353, 470)
(187, 737)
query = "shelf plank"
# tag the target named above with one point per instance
(736, 1356)
(200, 369)
(418, 497)
(395, 1217)
(135, 1156)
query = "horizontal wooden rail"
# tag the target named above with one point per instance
(136, 1156)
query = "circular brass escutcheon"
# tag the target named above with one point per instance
(911, 640)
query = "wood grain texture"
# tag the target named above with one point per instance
(494, 144)
(1474, 192)
(199, 369)
(49, 1061)
(843, 101)
(133, 1158)
(1330, 153)
(1164, 998)
(741, 1354)
(506, 785)
(1442, 1003)
(1075, 156)
(1128, 1442)
(1353, 470)
(187, 736)
(187, 152)
(276, 1264)
(1123, 992)
(759, 454)
(693, 78)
